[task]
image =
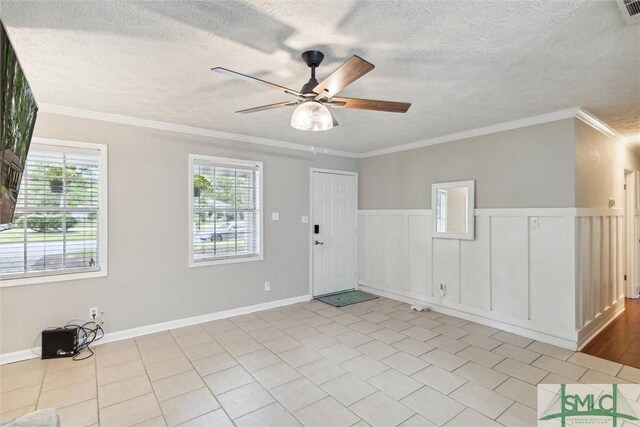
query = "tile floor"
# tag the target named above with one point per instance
(375, 363)
(620, 341)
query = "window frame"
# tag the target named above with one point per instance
(103, 209)
(260, 208)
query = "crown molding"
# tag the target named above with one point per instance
(529, 121)
(598, 124)
(190, 130)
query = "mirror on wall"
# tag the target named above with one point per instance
(453, 204)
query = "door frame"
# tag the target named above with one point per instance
(311, 221)
(631, 233)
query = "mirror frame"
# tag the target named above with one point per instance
(471, 186)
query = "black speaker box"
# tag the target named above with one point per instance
(61, 342)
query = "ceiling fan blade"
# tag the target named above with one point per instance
(354, 68)
(370, 104)
(256, 80)
(267, 107)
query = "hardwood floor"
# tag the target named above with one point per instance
(620, 341)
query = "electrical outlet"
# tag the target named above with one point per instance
(94, 313)
(443, 289)
(267, 286)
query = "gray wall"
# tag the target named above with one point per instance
(149, 278)
(600, 166)
(521, 168)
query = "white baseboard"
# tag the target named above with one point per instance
(17, 356)
(529, 333)
(597, 325)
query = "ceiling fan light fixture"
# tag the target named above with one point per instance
(312, 116)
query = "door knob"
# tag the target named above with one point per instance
(318, 243)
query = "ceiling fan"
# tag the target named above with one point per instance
(311, 113)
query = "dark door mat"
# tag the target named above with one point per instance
(344, 298)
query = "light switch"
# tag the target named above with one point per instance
(305, 219)
(275, 216)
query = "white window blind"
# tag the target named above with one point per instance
(56, 222)
(226, 214)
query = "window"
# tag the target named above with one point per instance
(59, 225)
(226, 210)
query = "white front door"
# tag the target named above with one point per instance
(333, 232)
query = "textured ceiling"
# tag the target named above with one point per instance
(463, 64)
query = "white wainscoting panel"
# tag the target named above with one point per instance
(552, 274)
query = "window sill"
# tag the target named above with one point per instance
(37, 280)
(193, 263)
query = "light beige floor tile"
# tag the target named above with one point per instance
(272, 415)
(219, 326)
(298, 394)
(353, 338)
(469, 417)
(274, 375)
(481, 341)
(365, 327)
(64, 363)
(112, 358)
(316, 321)
(520, 370)
(512, 339)
(364, 367)
(387, 336)
(149, 342)
(158, 421)
(79, 415)
(329, 312)
(601, 365)
(404, 315)
(518, 415)
(519, 391)
(217, 418)
(115, 373)
(513, 352)
(258, 359)
(396, 325)
(418, 421)
(326, 413)
(20, 398)
(346, 319)
(447, 343)
(266, 334)
(348, 389)
(439, 379)
(556, 379)
(299, 356)
(420, 333)
(379, 409)
(550, 350)
(202, 350)
(405, 363)
(130, 412)
(284, 343)
(596, 377)
(377, 349)
(231, 336)
(395, 384)
(425, 323)
(334, 329)
(321, 371)
(68, 395)
(20, 380)
(228, 379)
(69, 376)
(188, 406)
(176, 385)
(123, 390)
(253, 325)
(630, 374)
(454, 321)
(245, 399)
(433, 405)
(186, 330)
(199, 337)
(481, 375)
(483, 400)
(339, 352)
(444, 359)
(17, 413)
(287, 322)
(169, 367)
(413, 346)
(159, 354)
(214, 363)
(21, 367)
(451, 331)
(245, 346)
(375, 317)
(559, 367)
(481, 356)
(477, 328)
(318, 341)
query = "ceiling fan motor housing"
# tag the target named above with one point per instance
(312, 58)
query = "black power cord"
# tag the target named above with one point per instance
(86, 337)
